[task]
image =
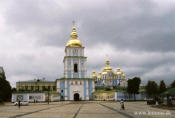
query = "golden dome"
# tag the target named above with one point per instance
(118, 72)
(99, 75)
(123, 75)
(107, 67)
(74, 42)
(94, 75)
(104, 73)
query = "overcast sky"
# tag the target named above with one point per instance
(137, 35)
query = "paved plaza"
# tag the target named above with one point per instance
(94, 109)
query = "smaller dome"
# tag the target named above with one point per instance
(118, 73)
(99, 75)
(104, 73)
(94, 75)
(123, 76)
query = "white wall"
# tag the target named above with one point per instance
(76, 89)
(29, 97)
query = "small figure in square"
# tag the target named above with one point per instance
(122, 106)
(19, 103)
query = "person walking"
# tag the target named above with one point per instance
(19, 103)
(122, 106)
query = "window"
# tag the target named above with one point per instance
(26, 88)
(54, 88)
(43, 88)
(32, 88)
(36, 88)
(75, 68)
(49, 88)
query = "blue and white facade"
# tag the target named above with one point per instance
(75, 63)
(110, 78)
(75, 85)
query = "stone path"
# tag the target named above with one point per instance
(94, 109)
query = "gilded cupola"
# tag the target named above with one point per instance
(74, 42)
(118, 72)
(94, 75)
(123, 76)
(107, 67)
(99, 76)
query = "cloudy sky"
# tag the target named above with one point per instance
(137, 35)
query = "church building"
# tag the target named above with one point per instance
(110, 78)
(75, 85)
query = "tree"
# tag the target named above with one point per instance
(5, 89)
(172, 84)
(162, 87)
(13, 90)
(151, 89)
(130, 86)
(136, 85)
(133, 86)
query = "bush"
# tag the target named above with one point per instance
(107, 88)
(151, 102)
(1, 100)
(99, 88)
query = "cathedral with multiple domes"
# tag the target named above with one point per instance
(109, 78)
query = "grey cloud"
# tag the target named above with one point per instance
(127, 25)
(134, 63)
(137, 35)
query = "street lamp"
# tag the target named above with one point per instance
(48, 95)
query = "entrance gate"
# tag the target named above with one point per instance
(76, 97)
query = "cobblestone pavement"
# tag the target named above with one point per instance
(94, 109)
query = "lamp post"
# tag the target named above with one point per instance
(48, 96)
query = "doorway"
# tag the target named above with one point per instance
(76, 97)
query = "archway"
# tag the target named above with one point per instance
(76, 97)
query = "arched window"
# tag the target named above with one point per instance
(75, 68)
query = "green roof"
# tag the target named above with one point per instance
(170, 92)
(37, 80)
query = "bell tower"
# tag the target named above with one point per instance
(74, 59)
(75, 85)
